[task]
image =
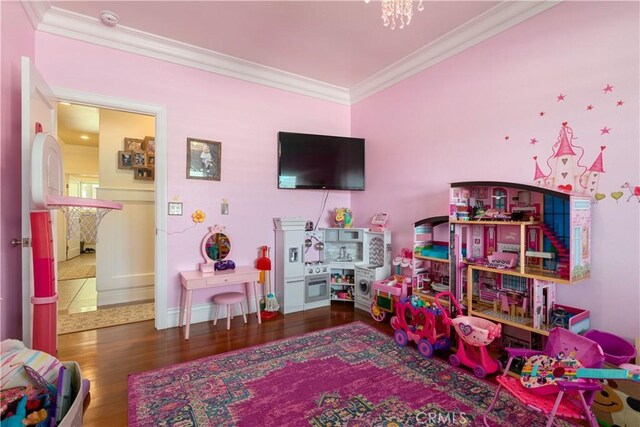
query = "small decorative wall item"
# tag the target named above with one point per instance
(634, 191)
(342, 218)
(149, 144)
(139, 155)
(133, 144)
(139, 159)
(203, 159)
(125, 160)
(198, 216)
(143, 173)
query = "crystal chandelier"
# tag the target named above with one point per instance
(401, 10)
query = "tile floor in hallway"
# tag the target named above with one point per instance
(77, 295)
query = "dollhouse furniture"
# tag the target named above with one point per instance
(430, 257)
(517, 242)
(229, 299)
(555, 395)
(195, 280)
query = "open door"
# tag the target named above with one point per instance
(38, 110)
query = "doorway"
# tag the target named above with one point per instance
(97, 285)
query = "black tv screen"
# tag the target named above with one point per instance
(308, 161)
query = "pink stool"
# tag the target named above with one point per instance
(228, 299)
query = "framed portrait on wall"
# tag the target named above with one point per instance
(203, 159)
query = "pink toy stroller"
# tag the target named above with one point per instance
(543, 385)
(474, 334)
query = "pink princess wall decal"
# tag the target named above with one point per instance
(566, 173)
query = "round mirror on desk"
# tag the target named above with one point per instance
(215, 248)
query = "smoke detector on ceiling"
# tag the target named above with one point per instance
(109, 18)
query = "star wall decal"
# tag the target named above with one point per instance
(619, 103)
(561, 97)
(604, 130)
(533, 141)
(608, 88)
(506, 138)
(589, 107)
(541, 113)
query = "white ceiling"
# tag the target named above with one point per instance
(334, 50)
(336, 42)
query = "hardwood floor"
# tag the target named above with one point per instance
(106, 356)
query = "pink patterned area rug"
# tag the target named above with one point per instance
(351, 375)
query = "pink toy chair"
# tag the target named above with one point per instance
(228, 299)
(522, 309)
(566, 399)
(504, 304)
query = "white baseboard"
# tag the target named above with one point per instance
(123, 296)
(203, 313)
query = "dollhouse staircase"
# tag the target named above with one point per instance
(562, 251)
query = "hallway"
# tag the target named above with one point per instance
(78, 300)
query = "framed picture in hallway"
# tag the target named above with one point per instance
(139, 159)
(144, 174)
(125, 160)
(133, 144)
(149, 144)
(203, 159)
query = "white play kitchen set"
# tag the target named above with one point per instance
(316, 266)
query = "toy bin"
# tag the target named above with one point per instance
(79, 390)
(616, 350)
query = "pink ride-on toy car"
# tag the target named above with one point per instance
(420, 324)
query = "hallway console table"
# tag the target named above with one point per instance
(194, 280)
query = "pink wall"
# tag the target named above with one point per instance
(17, 39)
(449, 124)
(245, 117)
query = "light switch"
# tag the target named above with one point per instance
(175, 208)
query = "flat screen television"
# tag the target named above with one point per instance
(308, 161)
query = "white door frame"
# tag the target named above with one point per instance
(160, 113)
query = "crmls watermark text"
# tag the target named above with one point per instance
(441, 418)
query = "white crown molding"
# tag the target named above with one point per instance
(36, 11)
(80, 27)
(497, 19)
(61, 22)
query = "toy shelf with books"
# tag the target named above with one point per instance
(510, 244)
(430, 273)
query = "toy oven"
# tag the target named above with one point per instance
(317, 287)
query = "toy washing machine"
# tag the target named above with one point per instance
(366, 274)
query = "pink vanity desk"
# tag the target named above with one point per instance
(193, 280)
